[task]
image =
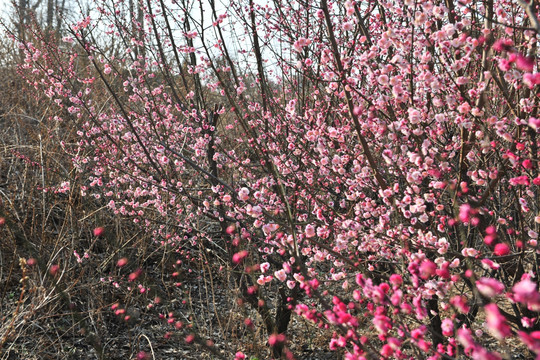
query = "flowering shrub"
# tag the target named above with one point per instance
(376, 162)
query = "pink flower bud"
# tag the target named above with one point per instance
(230, 229)
(142, 356)
(239, 256)
(190, 338)
(239, 356)
(122, 262)
(99, 231)
(134, 275)
(501, 249)
(53, 270)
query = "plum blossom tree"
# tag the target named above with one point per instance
(375, 162)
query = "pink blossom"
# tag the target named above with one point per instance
(464, 336)
(301, 43)
(460, 302)
(496, 323)
(455, 263)
(276, 339)
(527, 322)
(239, 256)
(447, 327)
(464, 108)
(134, 275)
(287, 267)
(525, 291)
(347, 26)
(143, 356)
(83, 24)
(419, 332)
(364, 160)
(396, 280)
(462, 80)
(53, 270)
(239, 356)
(489, 239)
(520, 180)
(189, 338)
(387, 350)
(443, 272)
(230, 229)
(502, 45)
(469, 252)
(264, 279)
(427, 269)
(281, 275)
(264, 267)
(501, 249)
(489, 287)
(382, 324)
(531, 80)
(525, 63)
(504, 65)
(527, 164)
(310, 231)
(490, 264)
(465, 212)
(243, 194)
(414, 116)
(532, 340)
(383, 79)
(534, 123)
(99, 231)
(349, 6)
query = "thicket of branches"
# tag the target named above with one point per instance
(370, 168)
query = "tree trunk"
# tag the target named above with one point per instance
(50, 12)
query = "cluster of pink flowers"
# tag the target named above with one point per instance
(395, 185)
